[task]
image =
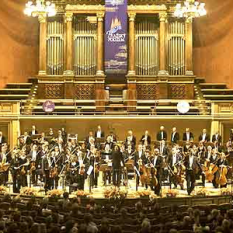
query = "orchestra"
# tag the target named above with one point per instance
(54, 158)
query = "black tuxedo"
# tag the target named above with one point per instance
(136, 158)
(30, 133)
(185, 138)
(175, 138)
(191, 171)
(148, 139)
(217, 138)
(207, 138)
(164, 151)
(133, 142)
(161, 135)
(2, 140)
(102, 134)
(158, 165)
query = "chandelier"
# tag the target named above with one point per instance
(40, 7)
(190, 9)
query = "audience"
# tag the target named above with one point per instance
(73, 216)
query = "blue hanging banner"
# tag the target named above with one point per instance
(116, 37)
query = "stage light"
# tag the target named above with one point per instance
(183, 106)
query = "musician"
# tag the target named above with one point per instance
(130, 139)
(35, 159)
(109, 142)
(33, 131)
(201, 150)
(55, 165)
(139, 158)
(15, 172)
(201, 156)
(163, 148)
(187, 146)
(208, 153)
(43, 139)
(174, 161)
(5, 160)
(73, 167)
(46, 165)
(162, 134)
(93, 161)
(175, 137)
(204, 137)
(217, 139)
(192, 166)
(214, 159)
(188, 136)
(2, 139)
(50, 133)
(117, 159)
(60, 144)
(129, 153)
(64, 135)
(146, 139)
(23, 164)
(231, 134)
(106, 157)
(60, 136)
(99, 133)
(27, 139)
(156, 162)
(89, 138)
(222, 163)
(113, 136)
(91, 143)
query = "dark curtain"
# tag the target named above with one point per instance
(18, 44)
(213, 43)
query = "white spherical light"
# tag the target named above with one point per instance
(183, 106)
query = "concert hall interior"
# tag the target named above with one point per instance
(116, 116)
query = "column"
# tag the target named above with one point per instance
(162, 44)
(215, 127)
(69, 44)
(100, 41)
(42, 48)
(14, 133)
(189, 47)
(131, 71)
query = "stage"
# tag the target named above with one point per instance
(200, 195)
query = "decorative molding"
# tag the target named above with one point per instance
(84, 8)
(146, 91)
(163, 17)
(132, 16)
(226, 108)
(147, 8)
(42, 18)
(54, 91)
(68, 17)
(85, 91)
(100, 16)
(177, 91)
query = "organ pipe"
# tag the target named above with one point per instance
(85, 46)
(176, 47)
(55, 47)
(146, 51)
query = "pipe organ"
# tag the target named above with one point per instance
(55, 46)
(85, 50)
(176, 47)
(146, 47)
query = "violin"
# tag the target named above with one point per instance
(53, 172)
(32, 167)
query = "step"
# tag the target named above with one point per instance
(18, 85)
(218, 97)
(213, 85)
(217, 90)
(19, 97)
(14, 90)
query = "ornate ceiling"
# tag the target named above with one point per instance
(134, 2)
